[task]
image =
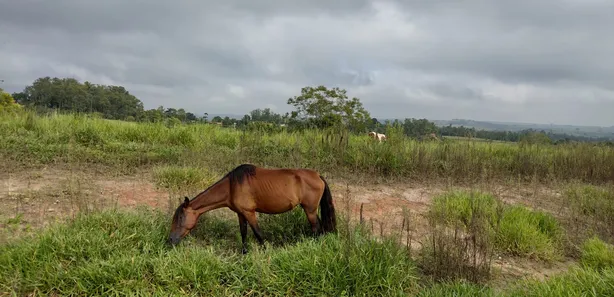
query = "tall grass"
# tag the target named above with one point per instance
(576, 282)
(113, 252)
(597, 254)
(462, 230)
(124, 253)
(591, 212)
(28, 137)
(466, 228)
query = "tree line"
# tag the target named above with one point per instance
(316, 107)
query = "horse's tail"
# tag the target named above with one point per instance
(327, 210)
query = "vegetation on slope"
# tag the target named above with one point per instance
(30, 138)
(315, 107)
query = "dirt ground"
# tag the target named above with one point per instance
(34, 198)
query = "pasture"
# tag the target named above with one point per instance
(87, 206)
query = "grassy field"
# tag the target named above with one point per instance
(30, 139)
(122, 251)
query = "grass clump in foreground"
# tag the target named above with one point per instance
(462, 227)
(526, 233)
(575, 282)
(591, 212)
(114, 252)
(597, 254)
(468, 227)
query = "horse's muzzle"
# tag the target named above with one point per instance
(173, 241)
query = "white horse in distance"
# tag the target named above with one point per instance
(377, 136)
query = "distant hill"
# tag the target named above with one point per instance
(586, 131)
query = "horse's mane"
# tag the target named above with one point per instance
(240, 173)
(235, 176)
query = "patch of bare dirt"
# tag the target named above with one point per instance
(508, 270)
(389, 209)
(131, 193)
(35, 198)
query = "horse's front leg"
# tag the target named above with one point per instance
(253, 222)
(243, 228)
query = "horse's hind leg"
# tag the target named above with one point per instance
(253, 222)
(312, 217)
(243, 228)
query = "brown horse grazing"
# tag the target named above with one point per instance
(248, 189)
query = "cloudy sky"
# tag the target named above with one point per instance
(540, 61)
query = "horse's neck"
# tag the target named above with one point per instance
(214, 197)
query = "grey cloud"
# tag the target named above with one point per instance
(454, 92)
(487, 60)
(517, 41)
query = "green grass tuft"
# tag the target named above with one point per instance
(597, 254)
(513, 230)
(456, 289)
(576, 282)
(183, 177)
(592, 211)
(527, 233)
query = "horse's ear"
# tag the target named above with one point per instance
(186, 202)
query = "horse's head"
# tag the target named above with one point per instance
(184, 220)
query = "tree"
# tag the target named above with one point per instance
(190, 117)
(265, 115)
(7, 103)
(114, 102)
(322, 107)
(418, 128)
(534, 137)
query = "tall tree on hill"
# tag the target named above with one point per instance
(114, 102)
(264, 115)
(322, 107)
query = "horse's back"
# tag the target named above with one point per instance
(281, 189)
